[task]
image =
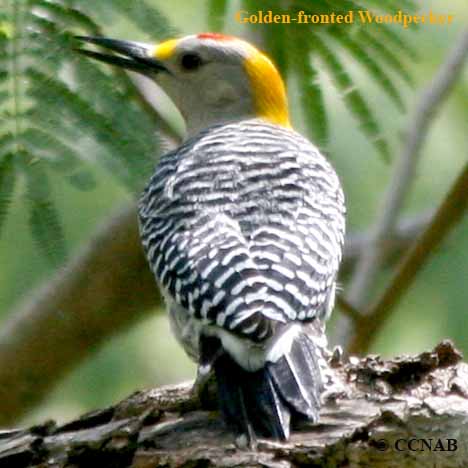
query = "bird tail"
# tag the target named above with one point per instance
(262, 403)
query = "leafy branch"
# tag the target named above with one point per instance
(69, 112)
(405, 167)
(54, 104)
(313, 47)
(51, 99)
(449, 213)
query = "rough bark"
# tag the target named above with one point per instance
(371, 413)
(104, 289)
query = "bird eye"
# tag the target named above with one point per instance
(191, 61)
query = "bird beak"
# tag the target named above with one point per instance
(134, 56)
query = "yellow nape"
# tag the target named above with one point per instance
(269, 93)
(165, 50)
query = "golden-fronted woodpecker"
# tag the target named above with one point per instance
(243, 227)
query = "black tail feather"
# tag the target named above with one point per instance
(297, 377)
(250, 402)
(262, 402)
(271, 416)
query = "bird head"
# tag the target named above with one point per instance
(211, 78)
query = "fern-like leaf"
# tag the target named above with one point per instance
(7, 185)
(55, 106)
(46, 229)
(392, 6)
(359, 53)
(275, 40)
(383, 52)
(60, 156)
(216, 14)
(44, 220)
(313, 101)
(82, 180)
(365, 43)
(352, 97)
(143, 15)
(54, 94)
(393, 39)
(66, 14)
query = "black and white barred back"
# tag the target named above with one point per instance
(243, 227)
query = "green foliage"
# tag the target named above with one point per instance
(7, 184)
(302, 49)
(312, 97)
(56, 105)
(60, 112)
(216, 13)
(43, 217)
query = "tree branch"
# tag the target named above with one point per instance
(405, 232)
(68, 312)
(104, 289)
(449, 213)
(345, 307)
(428, 105)
(372, 409)
(99, 293)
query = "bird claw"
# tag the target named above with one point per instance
(202, 387)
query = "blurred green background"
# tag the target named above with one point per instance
(436, 306)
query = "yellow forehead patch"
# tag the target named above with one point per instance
(165, 50)
(269, 93)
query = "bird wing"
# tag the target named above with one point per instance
(244, 230)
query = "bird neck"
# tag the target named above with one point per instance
(268, 90)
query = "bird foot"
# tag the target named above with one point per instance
(203, 388)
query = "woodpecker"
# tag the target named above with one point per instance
(243, 226)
